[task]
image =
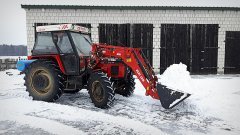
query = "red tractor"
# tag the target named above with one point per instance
(64, 59)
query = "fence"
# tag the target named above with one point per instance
(9, 62)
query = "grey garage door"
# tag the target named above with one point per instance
(232, 52)
(195, 45)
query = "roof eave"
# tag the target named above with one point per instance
(127, 7)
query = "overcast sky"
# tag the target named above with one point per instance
(13, 17)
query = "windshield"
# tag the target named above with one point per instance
(83, 43)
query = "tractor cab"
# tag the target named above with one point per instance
(71, 42)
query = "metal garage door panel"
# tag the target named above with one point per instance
(204, 48)
(195, 45)
(115, 34)
(142, 37)
(175, 47)
(232, 53)
(129, 35)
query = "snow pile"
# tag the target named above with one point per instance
(178, 78)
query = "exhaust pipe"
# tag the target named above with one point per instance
(169, 98)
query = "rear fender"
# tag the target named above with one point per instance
(55, 58)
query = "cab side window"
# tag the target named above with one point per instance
(63, 42)
(44, 44)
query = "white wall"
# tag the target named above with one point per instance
(227, 20)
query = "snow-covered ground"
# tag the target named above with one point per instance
(13, 57)
(213, 108)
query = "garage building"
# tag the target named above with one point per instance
(206, 39)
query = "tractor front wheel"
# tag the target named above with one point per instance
(100, 90)
(125, 87)
(44, 81)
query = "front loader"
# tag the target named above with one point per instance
(65, 60)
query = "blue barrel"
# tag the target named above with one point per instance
(23, 64)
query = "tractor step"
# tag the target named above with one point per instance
(169, 97)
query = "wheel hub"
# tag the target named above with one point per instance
(97, 91)
(41, 82)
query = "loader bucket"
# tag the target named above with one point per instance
(169, 97)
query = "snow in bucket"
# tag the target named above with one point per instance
(177, 77)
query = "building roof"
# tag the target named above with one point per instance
(128, 7)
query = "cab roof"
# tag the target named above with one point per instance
(63, 27)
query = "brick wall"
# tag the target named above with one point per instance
(227, 20)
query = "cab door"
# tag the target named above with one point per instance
(71, 63)
(68, 56)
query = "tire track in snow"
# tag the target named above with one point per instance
(8, 113)
(50, 111)
(44, 124)
(10, 127)
(108, 121)
(147, 111)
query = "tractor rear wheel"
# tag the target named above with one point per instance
(100, 90)
(125, 87)
(44, 81)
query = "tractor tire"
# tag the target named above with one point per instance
(101, 90)
(125, 87)
(44, 80)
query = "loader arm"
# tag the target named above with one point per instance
(142, 69)
(137, 62)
